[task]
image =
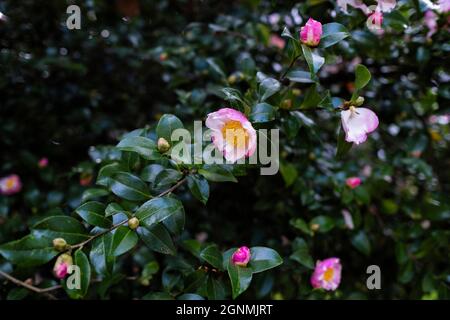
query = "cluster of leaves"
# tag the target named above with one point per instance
(399, 214)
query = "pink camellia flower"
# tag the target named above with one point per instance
(375, 20)
(10, 184)
(43, 163)
(232, 133)
(327, 274)
(430, 20)
(241, 256)
(310, 34)
(61, 268)
(358, 123)
(444, 6)
(353, 182)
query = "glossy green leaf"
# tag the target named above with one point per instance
(299, 76)
(157, 210)
(262, 112)
(301, 254)
(332, 33)
(240, 278)
(93, 193)
(28, 251)
(324, 223)
(124, 239)
(199, 187)
(129, 187)
(84, 278)
(166, 125)
(217, 173)
(362, 76)
(157, 238)
(112, 209)
(145, 147)
(314, 61)
(106, 172)
(268, 87)
(361, 242)
(68, 228)
(101, 255)
(263, 259)
(213, 256)
(167, 177)
(93, 212)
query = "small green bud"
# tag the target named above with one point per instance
(359, 101)
(163, 145)
(59, 244)
(133, 223)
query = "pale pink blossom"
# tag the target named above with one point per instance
(358, 123)
(61, 268)
(358, 4)
(241, 256)
(430, 19)
(10, 184)
(348, 220)
(310, 34)
(232, 134)
(375, 21)
(353, 182)
(444, 6)
(43, 162)
(277, 41)
(327, 274)
(386, 5)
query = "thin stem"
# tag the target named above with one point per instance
(31, 287)
(95, 236)
(289, 67)
(179, 183)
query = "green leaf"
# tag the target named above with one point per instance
(217, 173)
(93, 193)
(215, 289)
(287, 34)
(325, 223)
(101, 255)
(213, 256)
(299, 76)
(157, 210)
(301, 225)
(68, 228)
(312, 98)
(106, 172)
(81, 261)
(167, 177)
(240, 278)
(28, 251)
(289, 173)
(157, 238)
(263, 259)
(262, 112)
(314, 61)
(150, 172)
(190, 296)
(215, 67)
(113, 208)
(129, 187)
(124, 239)
(362, 76)
(93, 212)
(166, 125)
(332, 33)
(301, 254)
(145, 147)
(361, 242)
(343, 147)
(199, 187)
(268, 87)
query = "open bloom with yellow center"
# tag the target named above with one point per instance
(327, 274)
(358, 123)
(10, 184)
(232, 133)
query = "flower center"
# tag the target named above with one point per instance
(328, 274)
(235, 134)
(10, 183)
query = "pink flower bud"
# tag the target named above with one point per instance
(241, 256)
(353, 182)
(310, 34)
(62, 264)
(43, 163)
(375, 20)
(10, 184)
(327, 274)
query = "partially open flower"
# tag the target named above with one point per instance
(62, 264)
(358, 123)
(241, 256)
(327, 274)
(10, 185)
(310, 34)
(232, 133)
(353, 182)
(375, 21)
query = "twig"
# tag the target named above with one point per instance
(179, 183)
(95, 236)
(31, 287)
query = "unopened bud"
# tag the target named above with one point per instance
(62, 264)
(133, 223)
(315, 227)
(296, 92)
(163, 145)
(359, 101)
(286, 104)
(232, 79)
(59, 244)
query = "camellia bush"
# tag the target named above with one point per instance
(285, 151)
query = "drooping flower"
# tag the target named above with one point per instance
(310, 34)
(43, 162)
(232, 133)
(430, 20)
(358, 123)
(241, 256)
(353, 182)
(10, 184)
(61, 268)
(327, 274)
